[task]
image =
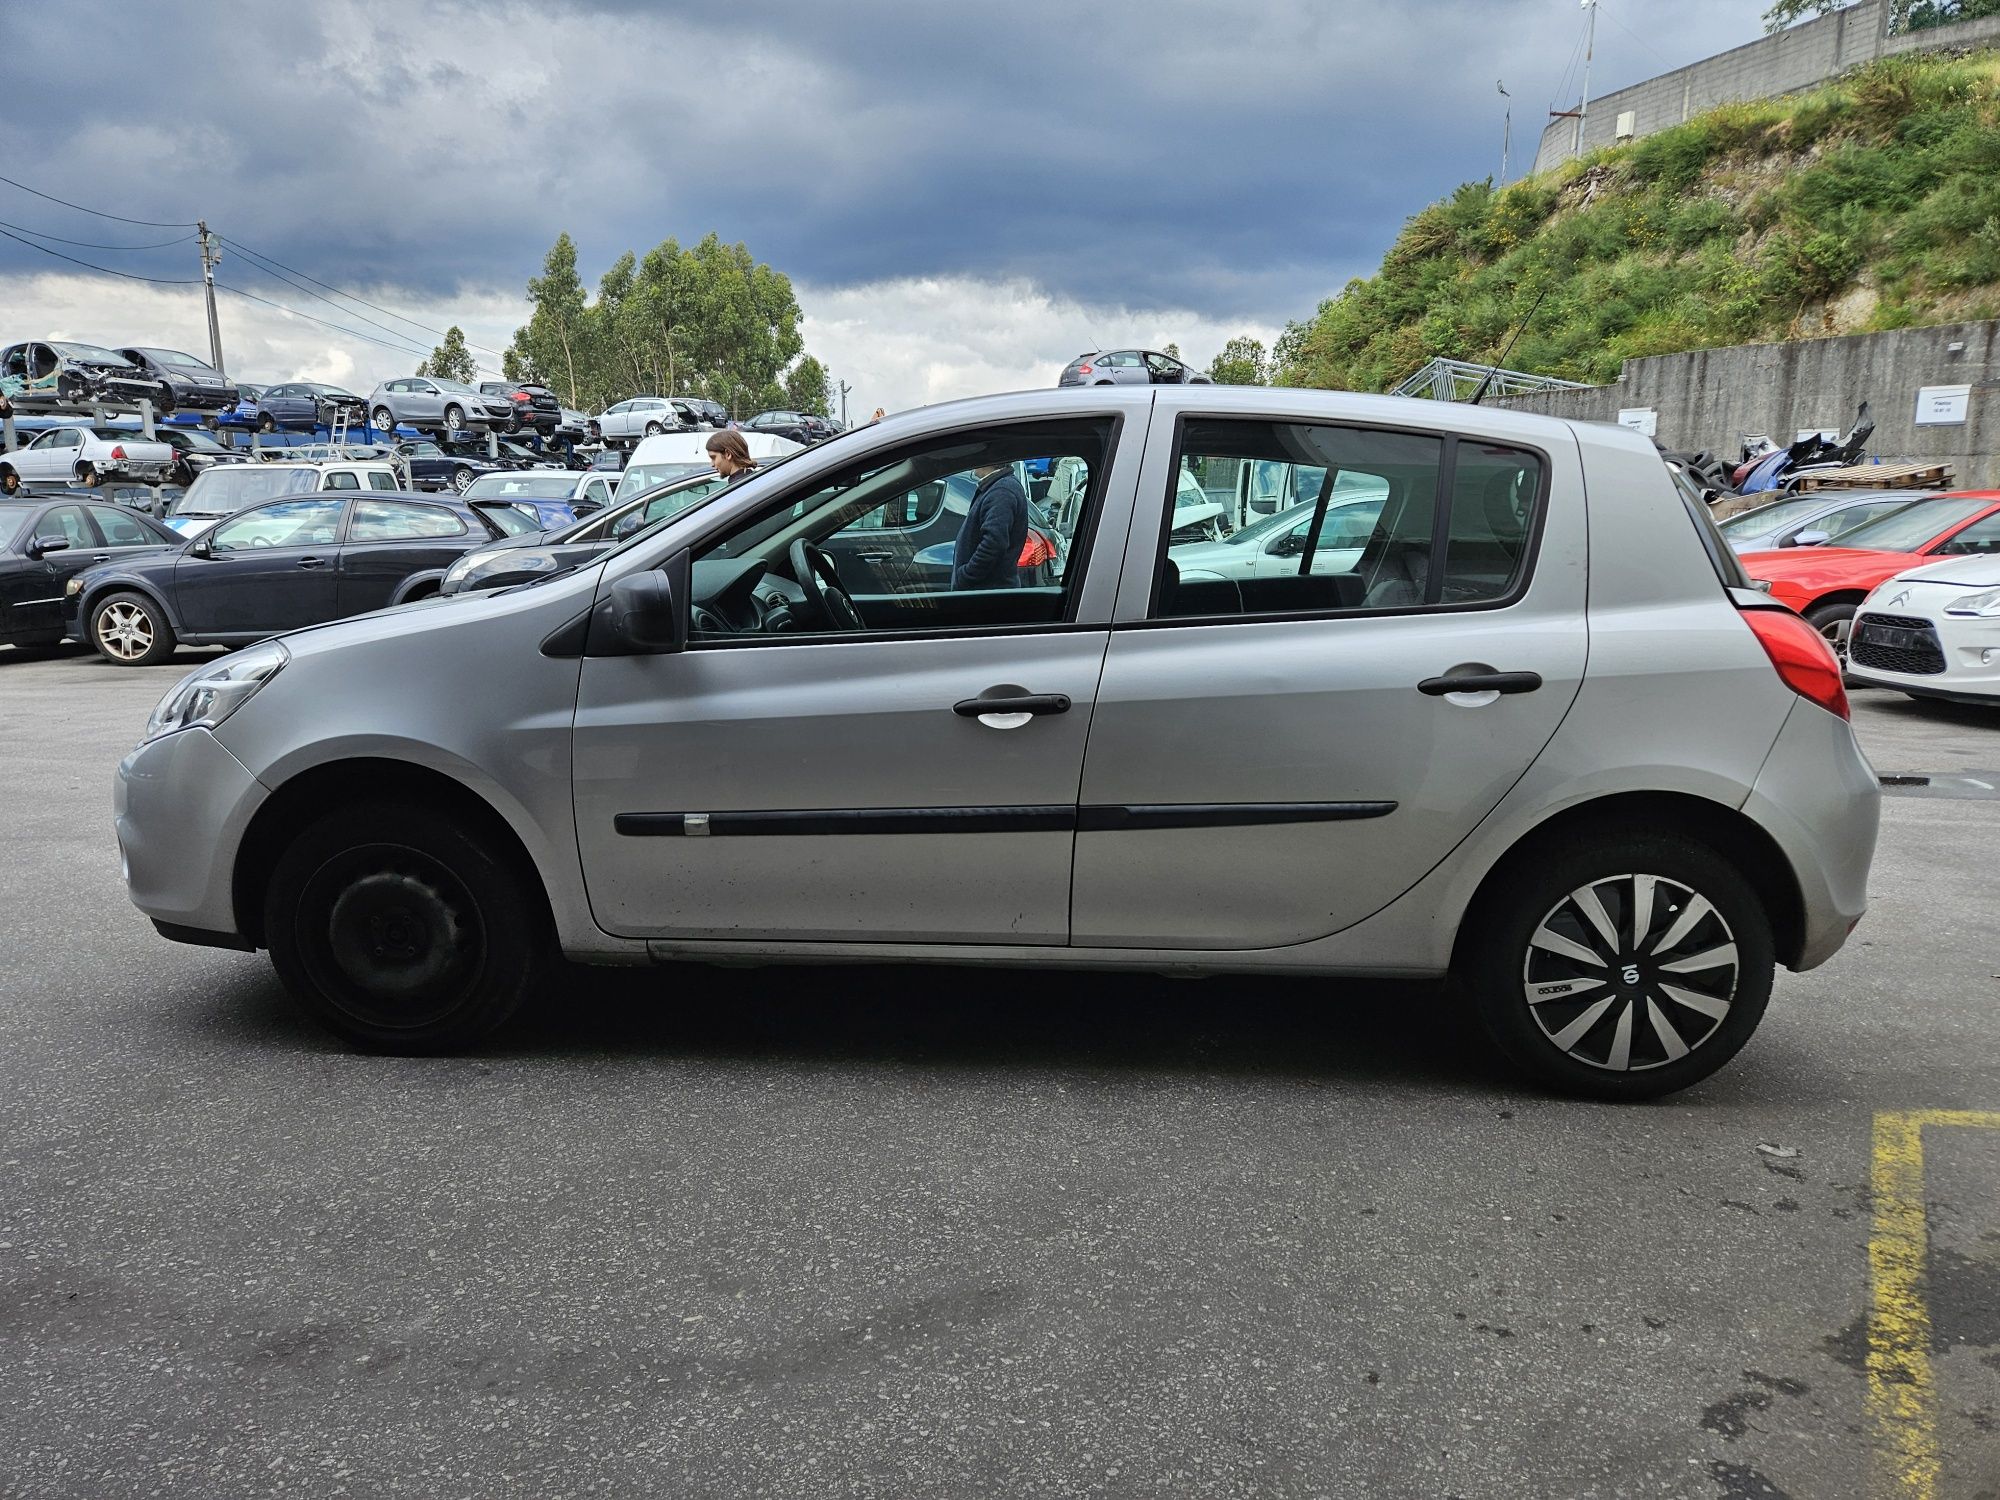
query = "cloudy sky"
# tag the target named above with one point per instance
(965, 196)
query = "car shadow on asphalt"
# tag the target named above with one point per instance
(1406, 1034)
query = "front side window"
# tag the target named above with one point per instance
(943, 535)
(68, 522)
(1916, 525)
(1979, 537)
(1376, 520)
(400, 521)
(285, 523)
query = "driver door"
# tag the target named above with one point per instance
(272, 568)
(784, 779)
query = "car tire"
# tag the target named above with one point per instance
(129, 629)
(461, 480)
(454, 420)
(10, 482)
(402, 929)
(86, 475)
(163, 400)
(1834, 621)
(266, 422)
(1651, 1025)
(382, 421)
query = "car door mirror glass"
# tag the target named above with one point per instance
(644, 616)
(44, 544)
(1813, 538)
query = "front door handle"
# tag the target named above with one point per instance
(312, 562)
(1480, 682)
(1010, 710)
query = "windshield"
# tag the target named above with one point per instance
(1770, 517)
(331, 390)
(226, 490)
(175, 357)
(92, 353)
(547, 486)
(455, 385)
(1911, 527)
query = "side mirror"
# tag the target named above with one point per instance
(44, 544)
(644, 616)
(1288, 545)
(1810, 539)
(201, 547)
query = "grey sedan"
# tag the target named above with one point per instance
(1129, 367)
(1808, 520)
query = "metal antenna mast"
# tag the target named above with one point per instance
(210, 254)
(1506, 129)
(1589, 50)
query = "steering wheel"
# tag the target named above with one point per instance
(814, 568)
(260, 541)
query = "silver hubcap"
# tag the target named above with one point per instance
(125, 630)
(462, 480)
(384, 421)
(1630, 972)
(453, 420)
(1836, 633)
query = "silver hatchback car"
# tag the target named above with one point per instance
(1536, 732)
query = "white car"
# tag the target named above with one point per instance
(675, 455)
(642, 416)
(1272, 547)
(221, 492)
(1933, 632)
(85, 455)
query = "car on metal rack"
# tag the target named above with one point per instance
(636, 417)
(48, 540)
(50, 369)
(283, 565)
(303, 405)
(433, 404)
(535, 407)
(434, 467)
(77, 453)
(244, 412)
(195, 450)
(182, 382)
(797, 426)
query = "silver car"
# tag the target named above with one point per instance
(1540, 735)
(432, 404)
(640, 417)
(1810, 520)
(1129, 367)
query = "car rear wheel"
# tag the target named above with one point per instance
(266, 422)
(382, 421)
(86, 475)
(454, 419)
(403, 930)
(654, 429)
(1621, 967)
(163, 400)
(10, 482)
(1834, 621)
(130, 630)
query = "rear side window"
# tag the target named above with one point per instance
(121, 530)
(1321, 518)
(342, 480)
(392, 521)
(381, 481)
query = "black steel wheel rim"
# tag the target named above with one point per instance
(1630, 972)
(390, 936)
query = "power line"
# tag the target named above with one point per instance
(102, 270)
(92, 244)
(257, 263)
(145, 223)
(336, 327)
(388, 312)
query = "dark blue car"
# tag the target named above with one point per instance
(282, 565)
(302, 405)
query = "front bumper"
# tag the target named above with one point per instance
(204, 398)
(1967, 649)
(181, 804)
(1818, 798)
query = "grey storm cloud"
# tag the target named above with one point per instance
(1236, 159)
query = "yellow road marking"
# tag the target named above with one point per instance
(1902, 1401)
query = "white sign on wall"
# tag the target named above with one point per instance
(1640, 419)
(1943, 405)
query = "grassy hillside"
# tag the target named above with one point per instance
(1870, 203)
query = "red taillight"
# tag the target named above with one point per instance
(1083, 369)
(522, 396)
(119, 451)
(1802, 657)
(1037, 550)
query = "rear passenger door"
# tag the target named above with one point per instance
(387, 541)
(1273, 759)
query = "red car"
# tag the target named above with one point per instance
(1827, 584)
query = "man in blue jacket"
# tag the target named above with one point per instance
(988, 551)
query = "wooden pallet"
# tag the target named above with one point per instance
(1912, 476)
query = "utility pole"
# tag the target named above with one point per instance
(844, 389)
(1506, 129)
(1589, 50)
(210, 254)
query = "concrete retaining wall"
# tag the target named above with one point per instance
(1782, 63)
(1705, 398)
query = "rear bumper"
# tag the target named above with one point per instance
(181, 804)
(1818, 798)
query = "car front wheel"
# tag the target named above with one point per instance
(1834, 621)
(461, 480)
(1621, 967)
(454, 419)
(130, 630)
(402, 929)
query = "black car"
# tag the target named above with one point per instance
(74, 372)
(434, 468)
(195, 451)
(306, 404)
(184, 383)
(279, 566)
(47, 541)
(799, 426)
(707, 413)
(535, 405)
(507, 455)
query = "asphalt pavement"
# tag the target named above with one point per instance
(858, 1232)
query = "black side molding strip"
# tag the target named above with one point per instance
(1111, 819)
(1105, 819)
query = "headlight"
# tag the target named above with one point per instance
(210, 695)
(456, 573)
(73, 588)
(1984, 606)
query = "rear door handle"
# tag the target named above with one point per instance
(316, 562)
(1481, 682)
(1011, 711)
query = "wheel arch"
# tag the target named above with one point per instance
(418, 586)
(1835, 596)
(94, 594)
(1727, 831)
(318, 788)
